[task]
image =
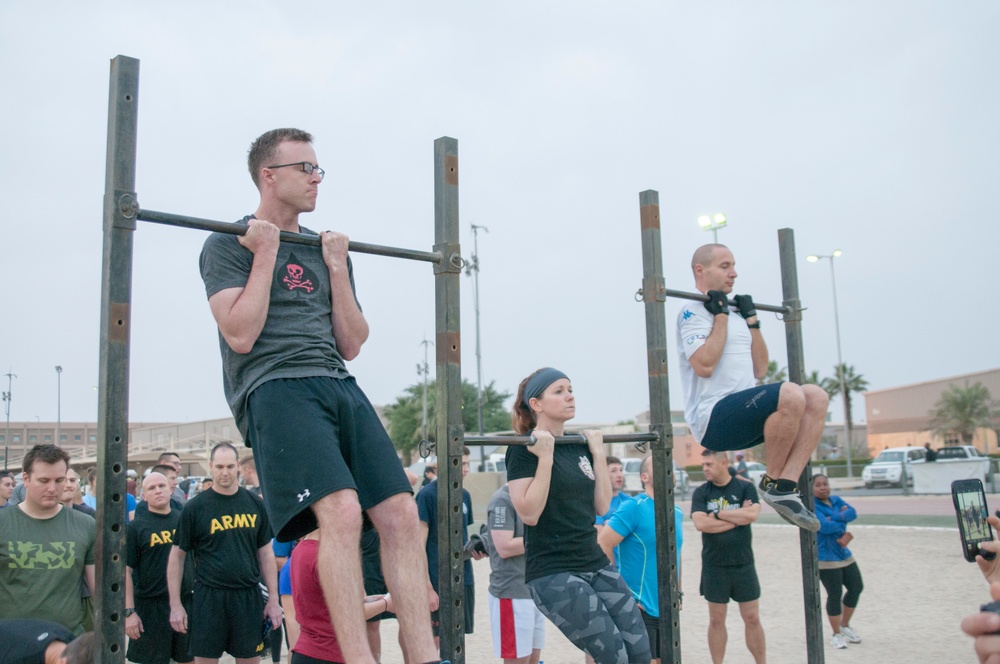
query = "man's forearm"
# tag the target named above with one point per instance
(707, 357)
(740, 517)
(350, 329)
(758, 353)
(269, 571)
(241, 320)
(174, 572)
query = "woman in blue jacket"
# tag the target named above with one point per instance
(837, 568)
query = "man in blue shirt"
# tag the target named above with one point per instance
(632, 529)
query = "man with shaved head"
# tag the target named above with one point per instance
(147, 601)
(722, 357)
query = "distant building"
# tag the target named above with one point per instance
(901, 416)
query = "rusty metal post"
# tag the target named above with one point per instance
(450, 434)
(116, 310)
(796, 374)
(654, 296)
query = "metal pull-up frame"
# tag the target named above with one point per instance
(653, 294)
(121, 211)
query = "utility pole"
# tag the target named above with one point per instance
(6, 407)
(423, 370)
(472, 269)
(58, 402)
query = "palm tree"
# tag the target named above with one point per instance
(812, 378)
(774, 374)
(846, 381)
(962, 410)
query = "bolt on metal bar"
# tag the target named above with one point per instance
(561, 440)
(704, 298)
(295, 238)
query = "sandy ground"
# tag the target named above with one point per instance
(918, 587)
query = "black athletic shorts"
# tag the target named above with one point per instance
(159, 643)
(653, 631)
(737, 421)
(226, 620)
(314, 436)
(299, 658)
(738, 583)
(470, 612)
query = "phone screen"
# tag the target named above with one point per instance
(971, 510)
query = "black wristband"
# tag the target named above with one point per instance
(755, 326)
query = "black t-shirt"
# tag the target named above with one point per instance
(224, 534)
(25, 641)
(149, 538)
(564, 539)
(733, 547)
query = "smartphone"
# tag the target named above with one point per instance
(971, 511)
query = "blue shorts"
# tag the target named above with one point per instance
(314, 436)
(737, 422)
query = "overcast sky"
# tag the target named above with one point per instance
(868, 127)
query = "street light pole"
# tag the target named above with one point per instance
(58, 402)
(6, 407)
(713, 223)
(424, 370)
(841, 373)
(472, 269)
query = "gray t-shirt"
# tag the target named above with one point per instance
(297, 338)
(507, 574)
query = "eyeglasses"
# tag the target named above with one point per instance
(307, 168)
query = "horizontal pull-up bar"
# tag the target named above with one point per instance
(704, 298)
(569, 438)
(294, 238)
(640, 439)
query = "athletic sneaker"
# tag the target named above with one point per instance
(765, 483)
(850, 634)
(838, 641)
(789, 507)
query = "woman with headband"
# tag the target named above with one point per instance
(557, 491)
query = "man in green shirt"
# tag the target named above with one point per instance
(46, 548)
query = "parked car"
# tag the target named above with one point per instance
(633, 484)
(959, 452)
(953, 453)
(887, 468)
(755, 471)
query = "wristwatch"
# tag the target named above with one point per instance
(129, 612)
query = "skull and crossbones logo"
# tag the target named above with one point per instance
(294, 279)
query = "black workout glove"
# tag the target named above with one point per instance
(717, 303)
(745, 305)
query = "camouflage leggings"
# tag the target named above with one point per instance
(596, 612)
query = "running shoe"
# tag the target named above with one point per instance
(838, 641)
(850, 634)
(765, 483)
(789, 507)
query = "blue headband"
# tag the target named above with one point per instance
(537, 383)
